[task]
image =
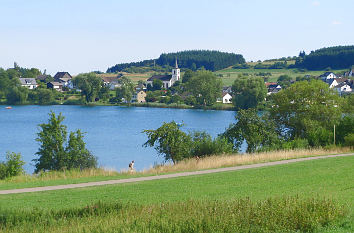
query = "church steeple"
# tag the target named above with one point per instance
(176, 73)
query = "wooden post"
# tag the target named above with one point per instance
(334, 134)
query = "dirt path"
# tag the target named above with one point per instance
(130, 180)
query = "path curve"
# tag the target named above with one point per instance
(158, 177)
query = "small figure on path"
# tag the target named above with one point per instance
(131, 165)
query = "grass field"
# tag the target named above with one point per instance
(229, 75)
(77, 176)
(327, 178)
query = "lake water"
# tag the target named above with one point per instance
(113, 134)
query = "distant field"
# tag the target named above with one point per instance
(229, 75)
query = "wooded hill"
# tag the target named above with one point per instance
(338, 57)
(193, 59)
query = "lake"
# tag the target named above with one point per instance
(113, 133)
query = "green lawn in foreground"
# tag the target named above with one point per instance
(332, 177)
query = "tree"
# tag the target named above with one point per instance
(89, 84)
(248, 92)
(259, 132)
(126, 90)
(169, 141)
(17, 95)
(284, 81)
(53, 155)
(188, 74)
(204, 145)
(306, 110)
(77, 154)
(205, 87)
(51, 139)
(157, 84)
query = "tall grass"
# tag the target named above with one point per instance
(218, 161)
(192, 164)
(287, 214)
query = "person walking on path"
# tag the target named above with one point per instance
(131, 166)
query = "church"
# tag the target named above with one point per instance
(167, 80)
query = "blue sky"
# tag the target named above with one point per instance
(85, 35)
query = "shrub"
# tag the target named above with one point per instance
(349, 140)
(13, 165)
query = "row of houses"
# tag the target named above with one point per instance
(342, 84)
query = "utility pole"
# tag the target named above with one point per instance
(334, 134)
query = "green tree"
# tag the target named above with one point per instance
(51, 138)
(205, 87)
(284, 81)
(53, 155)
(17, 95)
(204, 145)
(169, 141)
(188, 74)
(77, 154)
(248, 92)
(126, 90)
(157, 84)
(258, 132)
(89, 84)
(306, 110)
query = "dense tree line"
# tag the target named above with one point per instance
(193, 59)
(338, 57)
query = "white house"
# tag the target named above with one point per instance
(65, 79)
(167, 80)
(343, 88)
(226, 98)
(112, 82)
(327, 75)
(30, 83)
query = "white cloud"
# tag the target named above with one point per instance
(316, 3)
(336, 22)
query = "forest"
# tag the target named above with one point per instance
(192, 59)
(338, 57)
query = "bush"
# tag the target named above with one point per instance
(13, 165)
(204, 145)
(297, 143)
(349, 140)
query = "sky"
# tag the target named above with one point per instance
(80, 36)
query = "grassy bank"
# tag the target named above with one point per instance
(284, 198)
(217, 161)
(290, 214)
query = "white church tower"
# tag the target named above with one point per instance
(176, 73)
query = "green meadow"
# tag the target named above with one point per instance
(319, 192)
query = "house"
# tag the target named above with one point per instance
(65, 78)
(343, 88)
(327, 75)
(335, 82)
(350, 73)
(55, 85)
(112, 82)
(227, 89)
(226, 98)
(30, 83)
(273, 88)
(167, 80)
(139, 97)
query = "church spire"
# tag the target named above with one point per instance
(176, 64)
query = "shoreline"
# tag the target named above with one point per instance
(148, 105)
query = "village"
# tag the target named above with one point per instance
(62, 82)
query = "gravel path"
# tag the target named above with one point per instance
(130, 180)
